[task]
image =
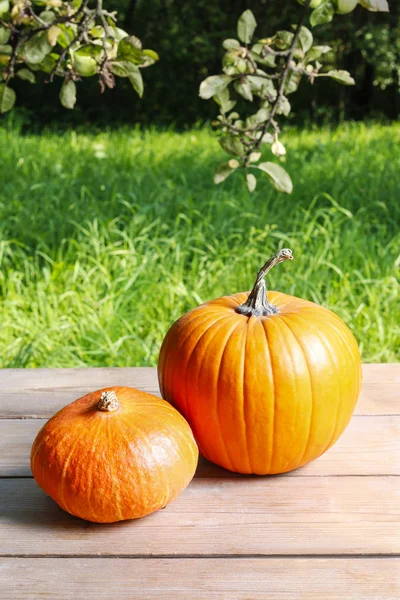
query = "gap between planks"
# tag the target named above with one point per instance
(363, 556)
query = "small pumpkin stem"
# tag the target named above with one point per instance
(108, 402)
(257, 303)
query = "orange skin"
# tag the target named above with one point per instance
(111, 466)
(263, 394)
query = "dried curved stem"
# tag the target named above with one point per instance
(257, 304)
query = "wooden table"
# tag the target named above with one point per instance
(330, 530)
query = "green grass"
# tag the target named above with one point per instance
(106, 239)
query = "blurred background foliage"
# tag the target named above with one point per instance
(109, 232)
(188, 36)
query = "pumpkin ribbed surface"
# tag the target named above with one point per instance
(110, 466)
(263, 394)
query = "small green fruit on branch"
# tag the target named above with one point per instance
(66, 39)
(344, 7)
(265, 73)
(313, 3)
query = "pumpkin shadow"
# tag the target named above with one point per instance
(34, 510)
(207, 469)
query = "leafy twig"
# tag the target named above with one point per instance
(281, 89)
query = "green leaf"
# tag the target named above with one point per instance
(68, 94)
(66, 37)
(323, 14)
(7, 98)
(131, 40)
(130, 48)
(37, 48)
(243, 89)
(4, 7)
(278, 176)
(283, 39)
(340, 76)
(232, 145)
(306, 39)
(4, 35)
(316, 52)
(213, 85)
(224, 170)
(251, 182)
(118, 33)
(261, 86)
(136, 79)
(47, 65)
(149, 57)
(283, 107)
(292, 82)
(5, 49)
(118, 68)
(259, 117)
(47, 16)
(97, 31)
(26, 75)
(246, 26)
(94, 51)
(231, 44)
(125, 68)
(224, 101)
(257, 55)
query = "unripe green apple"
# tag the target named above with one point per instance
(313, 3)
(85, 65)
(241, 65)
(343, 7)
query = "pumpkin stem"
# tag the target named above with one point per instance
(257, 303)
(108, 402)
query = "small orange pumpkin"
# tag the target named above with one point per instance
(267, 383)
(114, 454)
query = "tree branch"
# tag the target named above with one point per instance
(80, 34)
(99, 12)
(285, 73)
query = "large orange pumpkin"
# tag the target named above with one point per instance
(114, 454)
(267, 383)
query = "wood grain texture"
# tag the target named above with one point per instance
(367, 447)
(220, 579)
(243, 516)
(345, 503)
(41, 392)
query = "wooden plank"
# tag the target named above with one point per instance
(75, 377)
(197, 579)
(242, 516)
(382, 372)
(367, 447)
(380, 392)
(41, 392)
